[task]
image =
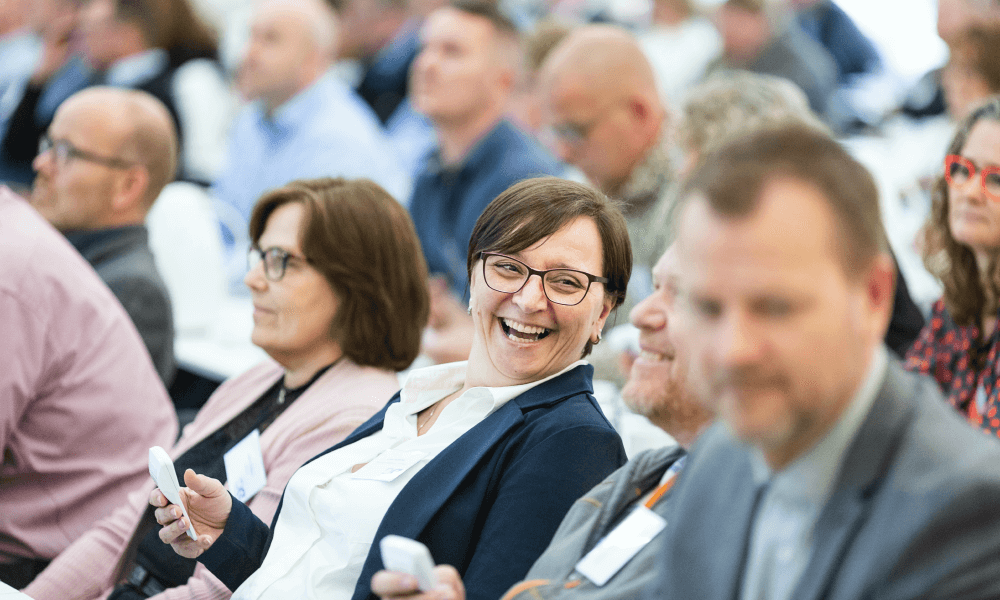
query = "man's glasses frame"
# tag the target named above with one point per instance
(64, 151)
(484, 256)
(953, 162)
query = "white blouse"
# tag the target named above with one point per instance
(330, 515)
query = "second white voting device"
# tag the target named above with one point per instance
(162, 470)
(409, 556)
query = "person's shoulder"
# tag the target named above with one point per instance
(521, 155)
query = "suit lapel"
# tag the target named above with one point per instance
(867, 461)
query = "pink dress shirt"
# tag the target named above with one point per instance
(80, 401)
(333, 406)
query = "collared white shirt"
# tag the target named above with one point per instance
(135, 69)
(782, 541)
(330, 515)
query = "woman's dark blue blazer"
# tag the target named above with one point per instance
(488, 504)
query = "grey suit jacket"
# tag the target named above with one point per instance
(915, 510)
(122, 258)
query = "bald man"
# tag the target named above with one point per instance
(301, 121)
(601, 104)
(106, 157)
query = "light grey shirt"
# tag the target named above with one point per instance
(782, 542)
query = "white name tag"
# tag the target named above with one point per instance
(981, 399)
(389, 465)
(619, 546)
(245, 474)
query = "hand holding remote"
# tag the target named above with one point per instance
(204, 507)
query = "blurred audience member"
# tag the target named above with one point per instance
(19, 46)
(841, 478)
(525, 108)
(680, 45)
(82, 402)
(973, 71)
(761, 37)
(607, 119)
(462, 80)
(29, 104)
(101, 166)
(960, 345)
(302, 121)
(656, 388)
(336, 265)
(828, 24)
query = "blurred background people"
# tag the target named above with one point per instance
(82, 402)
(680, 44)
(301, 121)
(496, 448)
(959, 345)
(972, 73)
(525, 105)
(339, 287)
(103, 162)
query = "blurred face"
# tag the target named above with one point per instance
(524, 337)
(656, 384)
(281, 57)
(600, 136)
(744, 33)
(964, 87)
(973, 216)
(100, 33)
(292, 316)
(457, 71)
(77, 193)
(779, 336)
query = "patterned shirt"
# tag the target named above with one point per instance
(963, 366)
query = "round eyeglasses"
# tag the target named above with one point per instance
(275, 261)
(562, 286)
(958, 170)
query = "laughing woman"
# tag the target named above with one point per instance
(478, 460)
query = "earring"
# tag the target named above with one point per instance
(469, 310)
(599, 338)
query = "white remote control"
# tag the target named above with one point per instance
(410, 557)
(162, 470)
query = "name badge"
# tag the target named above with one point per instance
(618, 547)
(245, 473)
(981, 399)
(389, 465)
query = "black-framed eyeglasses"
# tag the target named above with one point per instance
(64, 151)
(275, 261)
(508, 275)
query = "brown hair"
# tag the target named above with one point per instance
(536, 208)
(489, 11)
(949, 260)
(732, 179)
(364, 243)
(172, 25)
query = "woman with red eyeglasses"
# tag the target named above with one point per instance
(959, 346)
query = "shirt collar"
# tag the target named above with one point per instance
(810, 478)
(479, 157)
(135, 69)
(426, 386)
(304, 106)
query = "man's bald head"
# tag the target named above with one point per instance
(600, 98)
(114, 151)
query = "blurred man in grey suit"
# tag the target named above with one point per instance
(832, 474)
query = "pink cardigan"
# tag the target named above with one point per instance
(343, 398)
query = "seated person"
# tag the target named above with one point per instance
(959, 346)
(330, 259)
(80, 401)
(656, 388)
(102, 165)
(479, 460)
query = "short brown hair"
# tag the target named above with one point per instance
(945, 257)
(364, 243)
(489, 11)
(534, 209)
(732, 180)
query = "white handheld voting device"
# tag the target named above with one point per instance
(409, 556)
(162, 470)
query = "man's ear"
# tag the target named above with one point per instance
(130, 193)
(880, 291)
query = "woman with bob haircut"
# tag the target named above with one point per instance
(338, 283)
(962, 244)
(479, 460)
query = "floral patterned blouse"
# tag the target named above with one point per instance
(963, 368)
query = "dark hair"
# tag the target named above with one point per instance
(536, 208)
(364, 243)
(732, 179)
(172, 25)
(983, 44)
(488, 11)
(949, 260)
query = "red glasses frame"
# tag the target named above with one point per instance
(953, 159)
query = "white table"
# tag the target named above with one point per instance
(9, 593)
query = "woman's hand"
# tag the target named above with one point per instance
(208, 506)
(392, 585)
